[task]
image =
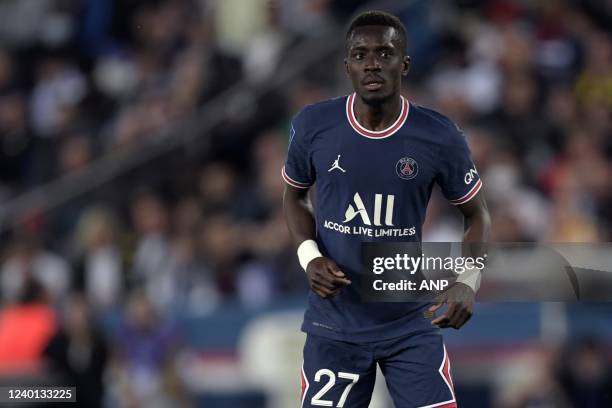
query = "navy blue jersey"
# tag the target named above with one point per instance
(372, 186)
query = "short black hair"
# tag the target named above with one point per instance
(378, 18)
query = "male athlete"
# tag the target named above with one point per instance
(375, 157)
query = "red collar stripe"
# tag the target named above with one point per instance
(291, 181)
(375, 134)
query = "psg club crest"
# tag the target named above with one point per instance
(407, 168)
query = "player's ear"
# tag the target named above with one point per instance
(406, 65)
(346, 68)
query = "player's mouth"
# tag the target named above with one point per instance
(373, 84)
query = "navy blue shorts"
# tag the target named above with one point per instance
(342, 374)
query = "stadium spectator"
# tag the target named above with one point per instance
(28, 260)
(25, 330)
(150, 221)
(77, 354)
(143, 371)
(96, 252)
(585, 373)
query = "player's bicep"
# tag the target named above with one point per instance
(474, 206)
(298, 214)
(295, 195)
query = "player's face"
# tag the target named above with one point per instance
(375, 63)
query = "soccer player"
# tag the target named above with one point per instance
(375, 157)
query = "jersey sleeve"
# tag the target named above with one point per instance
(457, 175)
(298, 170)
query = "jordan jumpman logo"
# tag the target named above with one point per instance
(336, 165)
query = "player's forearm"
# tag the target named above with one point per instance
(477, 224)
(476, 235)
(299, 217)
(477, 227)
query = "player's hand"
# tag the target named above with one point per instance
(325, 278)
(460, 301)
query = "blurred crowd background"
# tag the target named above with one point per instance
(141, 225)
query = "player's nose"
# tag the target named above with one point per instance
(372, 64)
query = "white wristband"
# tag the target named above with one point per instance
(307, 251)
(471, 277)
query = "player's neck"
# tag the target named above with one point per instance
(378, 116)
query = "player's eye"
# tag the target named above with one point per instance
(384, 54)
(358, 56)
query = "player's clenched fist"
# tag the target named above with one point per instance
(325, 278)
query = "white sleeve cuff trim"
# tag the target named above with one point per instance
(469, 195)
(291, 181)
